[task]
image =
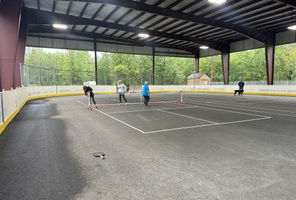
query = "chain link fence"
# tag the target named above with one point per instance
(39, 76)
(262, 82)
(48, 76)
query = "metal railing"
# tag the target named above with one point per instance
(262, 82)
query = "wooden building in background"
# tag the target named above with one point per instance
(198, 79)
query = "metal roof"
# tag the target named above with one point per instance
(176, 27)
(196, 75)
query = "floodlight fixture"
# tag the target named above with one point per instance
(292, 27)
(143, 35)
(203, 47)
(60, 26)
(217, 1)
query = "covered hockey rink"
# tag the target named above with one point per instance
(215, 146)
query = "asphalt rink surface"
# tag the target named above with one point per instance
(213, 146)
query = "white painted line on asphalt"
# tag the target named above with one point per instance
(115, 119)
(191, 106)
(132, 111)
(187, 116)
(204, 107)
(272, 109)
(242, 113)
(175, 108)
(254, 109)
(148, 109)
(188, 127)
(205, 125)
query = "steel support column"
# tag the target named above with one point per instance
(96, 60)
(225, 67)
(196, 56)
(10, 15)
(269, 55)
(21, 48)
(153, 65)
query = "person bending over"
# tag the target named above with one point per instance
(88, 91)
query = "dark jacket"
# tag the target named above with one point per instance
(241, 85)
(90, 90)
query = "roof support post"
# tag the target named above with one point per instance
(196, 61)
(269, 56)
(96, 60)
(10, 15)
(225, 67)
(153, 65)
(21, 48)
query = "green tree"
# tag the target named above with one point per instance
(104, 71)
(212, 65)
(72, 67)
(247, 65)
(285, 63)
(76, 67)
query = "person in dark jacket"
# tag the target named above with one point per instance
(88, 91)
(241, 85)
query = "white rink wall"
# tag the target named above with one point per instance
(286, 90)
(13, 100)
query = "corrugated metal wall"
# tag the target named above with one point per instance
(245, 45)
(86, 45)
(65, 41)
(286, 37)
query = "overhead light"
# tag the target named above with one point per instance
(60, 26)
(203, 47)
(143, 35)
(217, 1)
(292, 27)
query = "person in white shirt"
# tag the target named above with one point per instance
(121, 88)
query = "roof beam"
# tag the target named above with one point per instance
(46, 17)
(43, 29)
(81, 13)
(245, 31)
(291, 3)
(69, 8)
(53, 7)
(48, 29)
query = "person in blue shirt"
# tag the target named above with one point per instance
(145, 93)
